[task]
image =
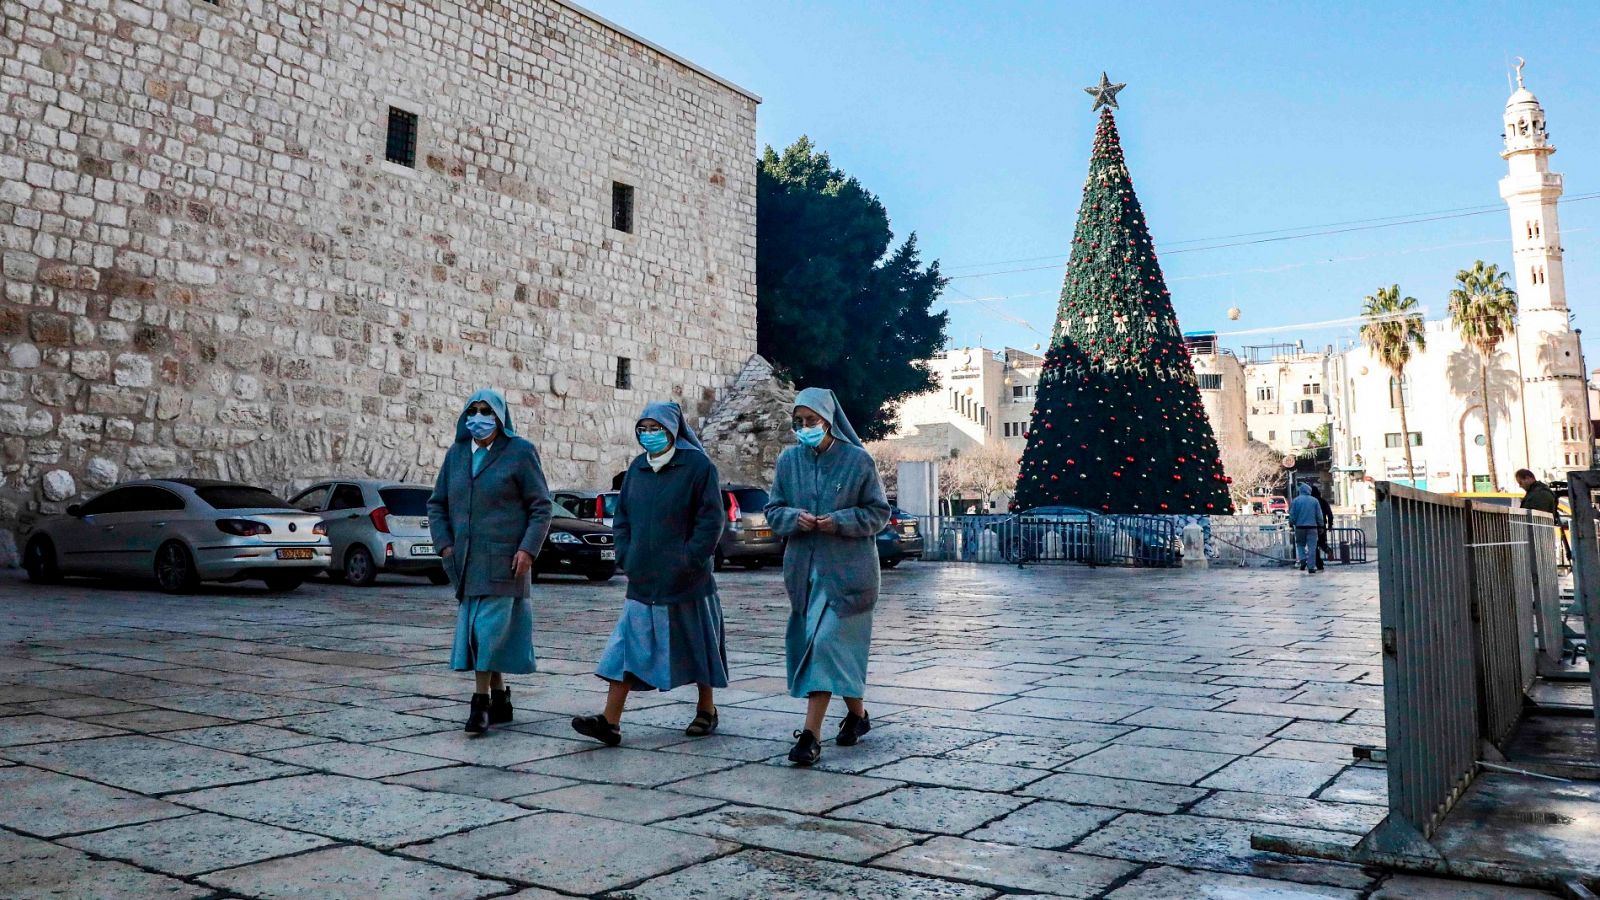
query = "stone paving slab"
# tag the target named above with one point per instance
(617, 801)
(762, 875)
(1218, 845)
(148, 765)
(357, 760)
(937, 809)
(482, 781)
(21, 730)
(196, 843)
(1070, 787)
(776, 829)
(38, 869)
(353, 873)
(500, 748)
(576, 854)
(1046, 824)
(1164, 881)
(1010, 867)
(782, 787)
(621, 765)
(352, 809)
(47, 804)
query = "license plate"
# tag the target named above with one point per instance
(421, 549)
(763, 532)
(608, 554)
(908, 529)
(296, 553)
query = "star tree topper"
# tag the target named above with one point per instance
(1104, 93)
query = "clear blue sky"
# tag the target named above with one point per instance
(969, 121)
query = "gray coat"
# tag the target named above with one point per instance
(488, 518)
(843, 483)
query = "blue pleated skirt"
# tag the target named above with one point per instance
(494, 634)
(826, 651)
(662, 646)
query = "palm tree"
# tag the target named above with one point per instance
(1394, 327)
(1484, 309)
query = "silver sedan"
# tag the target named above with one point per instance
(181, 532)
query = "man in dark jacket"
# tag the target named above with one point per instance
(1538, 494)
(1323, 550)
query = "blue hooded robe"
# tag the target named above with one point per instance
(832, 579)
(487, 506)
(667, 525)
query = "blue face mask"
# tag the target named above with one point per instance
(655, 443)
(481, 426)
(812, 436)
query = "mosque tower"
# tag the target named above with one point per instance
(1552, 425)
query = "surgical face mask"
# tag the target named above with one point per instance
(481, 426)
(654, 442)
(812, 436)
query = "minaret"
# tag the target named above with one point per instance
(1552, 422)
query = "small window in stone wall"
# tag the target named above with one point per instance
(624, 373)
(401, 148)
(622, 206)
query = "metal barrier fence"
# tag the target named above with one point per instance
(1269, 541)
(1582, 486)
(1086, 538)
(1456, 590)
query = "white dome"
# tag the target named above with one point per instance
(1522, 95)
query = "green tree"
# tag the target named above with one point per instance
(835, 306)
(1393, 330)
(1118, 425)
(1484, 309)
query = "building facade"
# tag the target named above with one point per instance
(984, 398)
(1221, 377)
(271, 240)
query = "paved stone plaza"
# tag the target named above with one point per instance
(1049, 732)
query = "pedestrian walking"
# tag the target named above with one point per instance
(668, 520)
(489, 512)
(1305, 516)
(1324, 550)
(1536, 494)
(827, 501)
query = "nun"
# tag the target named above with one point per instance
(489, 512)
(668, 520)
(827, 501)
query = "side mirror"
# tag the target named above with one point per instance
(75, 510)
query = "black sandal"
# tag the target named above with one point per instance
(598, 728)
(704, 723)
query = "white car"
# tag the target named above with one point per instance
(375, 526)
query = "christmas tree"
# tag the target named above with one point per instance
(1118, 426)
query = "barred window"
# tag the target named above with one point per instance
(401, 147)
(622, 206)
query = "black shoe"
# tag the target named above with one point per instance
(852, 728)
(806, 750)
(478, 715)
(499, 706)
(704, 723)
(598, 728)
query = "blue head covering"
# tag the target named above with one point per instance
(496, 402)
(826, 405)
(670, 415)
(1305, 489)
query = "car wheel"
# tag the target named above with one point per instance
(359, 570)
(755, 564)
(283, 583)
(888, 563)
(39, 559)
(438, 577)
(719, 562)
(175, 572)
(599, 576)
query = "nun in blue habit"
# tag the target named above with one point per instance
(669, 518)
(826, 499)
(488, 513)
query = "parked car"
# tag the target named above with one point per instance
(747, 539)
(900, 539)
(595, 506)
(577, 547)
(374, 526)
(180, 532)
(1277, 504)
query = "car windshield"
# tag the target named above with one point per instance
(239, 496)
(609, 502)
(405, 501)
(751, 499)
(559, 512)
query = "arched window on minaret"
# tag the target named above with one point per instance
(1536, 230)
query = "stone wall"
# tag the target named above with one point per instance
(747, 430)
(210, 269)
